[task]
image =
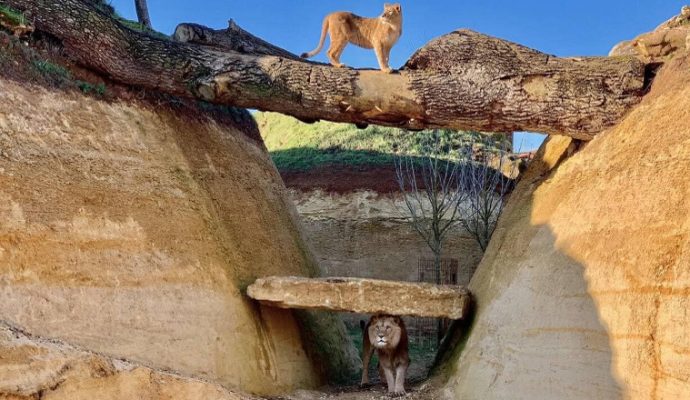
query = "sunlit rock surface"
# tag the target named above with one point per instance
(668, 40)
(584, 292)
(129, 230)
(369, 296)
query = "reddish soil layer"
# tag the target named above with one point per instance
(343, 179)
(346, 179)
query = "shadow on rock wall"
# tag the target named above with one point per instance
(585, 289)
(537, 332)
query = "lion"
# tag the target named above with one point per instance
(379, 34)
(387, 335)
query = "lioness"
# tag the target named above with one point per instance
(378, 33)
(388, 336)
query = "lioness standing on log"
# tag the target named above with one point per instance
(378, 33)
(387, 335)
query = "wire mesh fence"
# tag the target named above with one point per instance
(427, 272)
(427, 332)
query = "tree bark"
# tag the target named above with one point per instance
(143, 13)
(233, 38)
(463, 80)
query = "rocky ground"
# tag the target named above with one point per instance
(50, 369)
(421, 391)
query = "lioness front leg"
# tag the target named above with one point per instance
(400, 380)
(380, 56)
(386, 59)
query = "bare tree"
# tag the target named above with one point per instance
(430, 185)
(486, 177)
(455, 183)
(464, 183)
(143, 13)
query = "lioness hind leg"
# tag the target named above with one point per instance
(334, 52)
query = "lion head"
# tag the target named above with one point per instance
(385, 331)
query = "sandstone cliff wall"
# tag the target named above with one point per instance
(366, 234)
(131, 230)
(585, 290)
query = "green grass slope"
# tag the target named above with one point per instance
(296, 146)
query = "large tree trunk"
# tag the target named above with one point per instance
(143, 13)
(463, 80)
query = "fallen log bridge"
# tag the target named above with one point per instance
(366, 296)
(463, 80)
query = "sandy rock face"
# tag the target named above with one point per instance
(128, 231)
(35, 368)
(367, 234)
(668, 39)
(584, 292)
(366, 296)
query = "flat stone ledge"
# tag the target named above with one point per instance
(366, 296)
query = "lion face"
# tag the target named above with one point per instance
(385, 332)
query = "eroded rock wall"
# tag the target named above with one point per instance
(131, 230)
(584, 291)
(34, 368)
(366, 234)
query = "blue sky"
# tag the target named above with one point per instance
(562, 28)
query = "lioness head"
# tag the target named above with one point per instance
(392, 11)
(385, 332)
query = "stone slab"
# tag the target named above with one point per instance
(366, 296)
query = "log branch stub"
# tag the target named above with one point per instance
(233, 38)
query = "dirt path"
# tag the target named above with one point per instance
(423, 391)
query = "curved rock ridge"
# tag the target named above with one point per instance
(33, 368)
(366, 296)
(666, 41)
(584, 290)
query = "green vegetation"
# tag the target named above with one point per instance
(107, 8)
(326, 343)
(27, 63)
(60, 76)
(305, 158)
(452, 346)
(136, 26)
(87, 88)
(296, 146)
(104, 6)
(12, 16)
(55, 74)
